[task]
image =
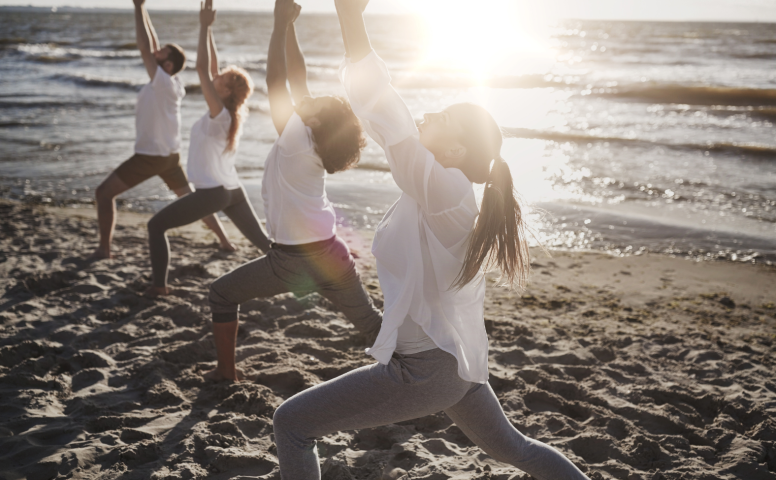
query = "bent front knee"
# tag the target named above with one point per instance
(156, 227)
(286, 426)
(281, 418)
(218, 300)
(102, 194)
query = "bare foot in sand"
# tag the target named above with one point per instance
(99, 254)
(227, 247)
(217, 376)
(154, 292)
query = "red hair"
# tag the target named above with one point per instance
(241, 87)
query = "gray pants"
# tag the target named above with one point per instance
(329, 270)
(410, 386)
(192, 207)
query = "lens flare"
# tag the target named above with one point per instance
(484, 38)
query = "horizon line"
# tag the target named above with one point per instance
(55, 9)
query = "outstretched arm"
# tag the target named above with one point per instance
(351, 17)
(280, 105)
(389, 122)
(144, 38)
(206, 18)
(213, 56)
(150, 26)
(297, 71)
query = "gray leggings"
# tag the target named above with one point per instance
(410, 386)
(329, 270)
(192, 207)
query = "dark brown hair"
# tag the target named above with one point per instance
(177, 56)
(498, 238)
(339, 137)
(241, 87)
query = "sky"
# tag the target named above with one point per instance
(670, 10)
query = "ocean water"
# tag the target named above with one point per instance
(627, 137)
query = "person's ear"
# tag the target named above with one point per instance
(167, 67)
(313, 122)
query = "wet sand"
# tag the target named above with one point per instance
(643, 367)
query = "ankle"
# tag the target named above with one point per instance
(154, 291)
(228, 371)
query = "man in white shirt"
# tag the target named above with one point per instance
(317, 136)
(158, 140)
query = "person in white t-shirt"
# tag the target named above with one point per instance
(317, 136)
(158, 134)
(430, 249)
(212, 154)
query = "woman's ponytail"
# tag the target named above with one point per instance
(241, 86)
(498, 238)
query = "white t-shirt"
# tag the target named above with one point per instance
(158, 115)
(294, 189)
(209, 166)
(421, 242)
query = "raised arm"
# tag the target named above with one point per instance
(280, 105)
(213, 55)
(389, 122)
(150, 26)
(206, 18)
(143, 35)
(351, 17)
(297, 70)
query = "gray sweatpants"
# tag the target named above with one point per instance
(192, 207)
(330, 271)
(410, 386)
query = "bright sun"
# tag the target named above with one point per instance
(481, 37)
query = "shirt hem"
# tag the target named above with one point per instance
(204, 186)
(307, 240)
(155, 154)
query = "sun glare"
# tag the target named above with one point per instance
(483, 37)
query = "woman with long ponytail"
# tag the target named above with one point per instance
(240, 88)
(431, 248)
(212, 153)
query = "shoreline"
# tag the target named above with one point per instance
(87, 210)
(641, 367)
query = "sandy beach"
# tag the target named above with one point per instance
(638, 368)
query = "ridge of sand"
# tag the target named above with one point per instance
(642, 367)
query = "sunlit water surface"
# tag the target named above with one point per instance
(622, 136)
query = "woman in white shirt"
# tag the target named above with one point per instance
(432, 348)
(212, 153)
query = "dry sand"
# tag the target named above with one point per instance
(641, 367)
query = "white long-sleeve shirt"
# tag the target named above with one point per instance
(421, 242)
